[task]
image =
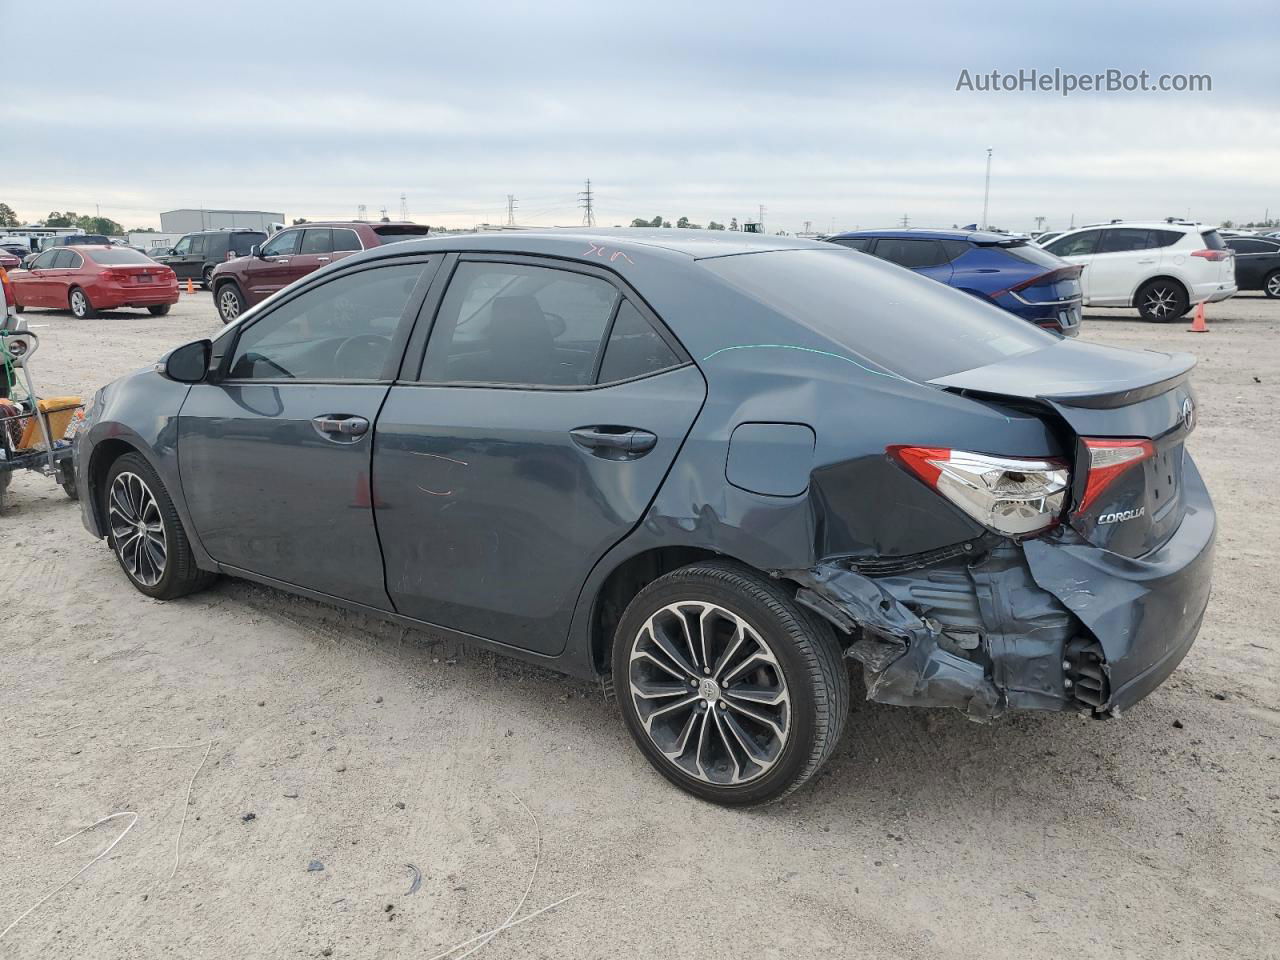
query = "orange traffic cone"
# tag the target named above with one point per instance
(191, 287)
(1197, 325)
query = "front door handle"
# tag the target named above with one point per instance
(341, 426)
(615, 443)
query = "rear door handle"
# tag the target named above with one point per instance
(341, 426)
(614, 442)
(322, 259)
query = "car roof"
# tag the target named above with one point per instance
(353, 223)
(928, 233)
(602, 244)
(1186, 225)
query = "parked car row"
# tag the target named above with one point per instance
(1163, 269)
(85, 279)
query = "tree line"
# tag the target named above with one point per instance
(69, 218)
(683, 224)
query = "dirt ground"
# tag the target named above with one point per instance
(337, 741)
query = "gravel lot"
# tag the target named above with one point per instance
(362, 747)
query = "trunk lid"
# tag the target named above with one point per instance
(1105, 393)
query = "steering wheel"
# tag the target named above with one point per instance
(362, 356)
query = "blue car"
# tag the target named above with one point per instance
(1011, 272)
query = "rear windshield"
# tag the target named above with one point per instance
(1212, 241)
(400, 231)
(912, 325)
(1031, 254)
(119, 255)
(87, 238)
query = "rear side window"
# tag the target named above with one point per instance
(634, 349)
(340, 330)
(1164, 238)
(1212, 240)
(316, 241)
(1242, 245)
(242, 243)
(1125, 240)
(854, 243)
(64, 260)
(391, 232)
(119, 256)
(886, 316)
(197, 244)
(510, 323)
(215, 244)
(344, 239)
(1075, 244)
(911, 253)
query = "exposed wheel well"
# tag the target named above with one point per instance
(621, 586)
(1145, 283)
(104, 455)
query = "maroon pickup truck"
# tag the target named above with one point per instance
(293, 253)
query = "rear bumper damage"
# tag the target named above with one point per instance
(1049, 624)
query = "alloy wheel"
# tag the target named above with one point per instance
(137, 529)
(710, 693)
(228, 304)
(1161, 302)
(1273, 285)
(79, 303)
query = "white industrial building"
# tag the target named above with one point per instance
(188, 221)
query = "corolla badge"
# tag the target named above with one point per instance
(1188, 413)
(1120, 516)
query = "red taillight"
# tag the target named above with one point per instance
(1108, 459)
(1211, 254)
(1014, 496)
(10, 298)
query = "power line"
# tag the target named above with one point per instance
(586, 201)
(511, 210)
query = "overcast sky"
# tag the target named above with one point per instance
(831, 112)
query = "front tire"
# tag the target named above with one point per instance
(159, 311)
(729, 688)
(230, 302)
(1271, 285)
(81, 307)
(1162, 301)
(145, 532)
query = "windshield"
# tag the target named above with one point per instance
(120, 255)
(1032, 254)
(914, 326)
(400, 231)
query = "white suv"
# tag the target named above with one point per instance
(1162, 268)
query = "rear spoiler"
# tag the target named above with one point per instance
(1074, 374)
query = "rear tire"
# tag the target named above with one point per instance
(160, 311)
(19, 307)
(1271, 285)
(1162, 301)
(749, 703)
(229, 300)
(145, 532)
(80, 305)
(206, 278)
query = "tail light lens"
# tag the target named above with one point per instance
(1211, 254)
(1108, 459)
(115, 276)
(1010, 495)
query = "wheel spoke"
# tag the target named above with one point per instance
(758, 716)
(137, 529)
(745, 741)
(769, 696)
(663, 643)
(650, 690)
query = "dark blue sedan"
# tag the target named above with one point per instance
(1011, 272)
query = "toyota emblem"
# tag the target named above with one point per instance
(1188, 413)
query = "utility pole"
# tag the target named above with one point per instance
(586, 200)
(404, 207)
(1039, 223)
(986, 191)
(761, 218)
(905, 221)
(383, 214)
(361, 212)
(511, 210)
(808, 226)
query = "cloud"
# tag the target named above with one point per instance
(828, 112)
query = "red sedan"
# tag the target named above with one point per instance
(87, 279)
(8, 261)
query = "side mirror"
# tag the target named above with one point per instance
(255, 251)
(188, 363)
